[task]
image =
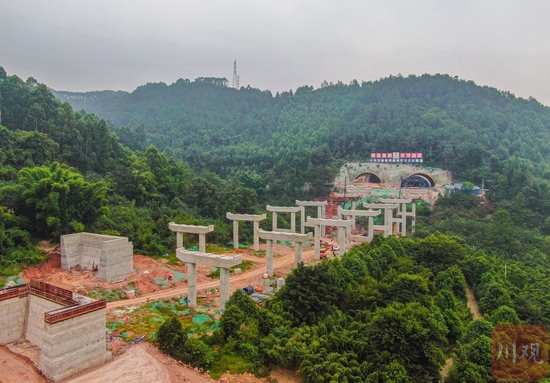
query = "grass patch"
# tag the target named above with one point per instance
(226, 361)
(141, 323)
(11, 271)
(109, 294)
(215, 249)
(245, 265)
(147, 320)
(172, 260)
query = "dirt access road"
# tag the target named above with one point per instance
(281, 265)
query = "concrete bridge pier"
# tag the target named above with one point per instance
(224, 285)
(191, 284)
(321, 208)
(271, 236)
(223, 262)
(191, 229)
(269, 257)
(298, 253)
(246, 217)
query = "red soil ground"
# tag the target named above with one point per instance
(142, 362)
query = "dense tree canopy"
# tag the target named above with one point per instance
(55, 199)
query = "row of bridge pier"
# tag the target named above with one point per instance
(394, 211)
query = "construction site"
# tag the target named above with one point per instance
(94, 299)
(126, 323)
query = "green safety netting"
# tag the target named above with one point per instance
(178, 276)
(111, 326)
(171, 307)
(242, 246)
(385, 192)
(16, 279)
(162, 282)
(164, 306)
(201, 319)
(214, 326)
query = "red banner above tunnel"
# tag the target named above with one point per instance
(397, 157)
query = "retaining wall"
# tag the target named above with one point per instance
(13, 313)
(74, 339)
(37, 306)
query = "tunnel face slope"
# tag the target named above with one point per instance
(391, 174)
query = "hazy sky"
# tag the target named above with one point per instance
(279, 45)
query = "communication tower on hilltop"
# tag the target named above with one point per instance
(235, 76)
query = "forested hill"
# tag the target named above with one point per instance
(457, 124)
(292, 138)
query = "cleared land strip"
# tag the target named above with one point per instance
(286, 261)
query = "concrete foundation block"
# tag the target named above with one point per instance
(112, 255)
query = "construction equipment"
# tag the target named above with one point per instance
(326, 250)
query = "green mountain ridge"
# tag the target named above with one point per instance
(457, 124)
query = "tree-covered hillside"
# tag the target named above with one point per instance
(457, 124)
(289, 139)
(63, 171)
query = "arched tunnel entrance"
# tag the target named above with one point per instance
(368, 177)
(418, 180)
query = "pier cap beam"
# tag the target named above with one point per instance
(396, 200)
(283, 209)
(359, 213)
(330, 222)
(381, 205)
(214, 260)
(311, 203)
(190, 229)
(281, 236)
(246, 217)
